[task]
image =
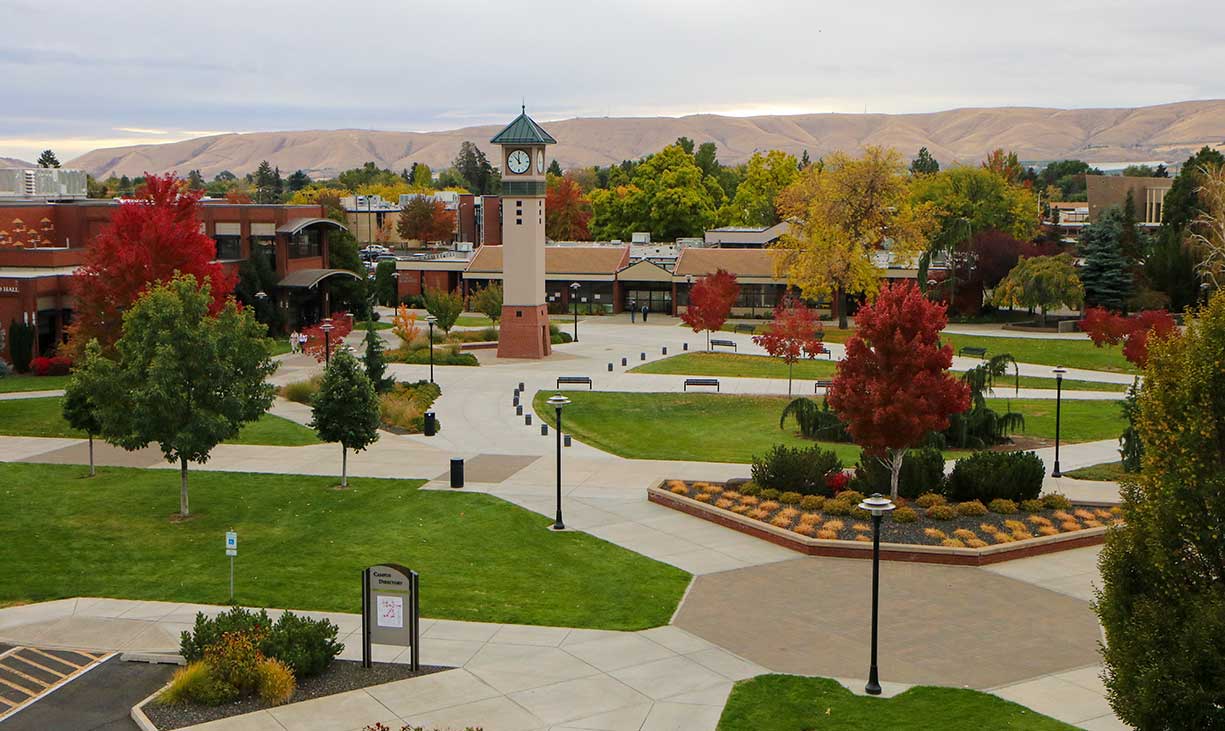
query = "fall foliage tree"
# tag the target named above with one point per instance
(488, 301)
(319, 343)
(1044, 282)
(1004, 164)
(843, 212)
(148, 241)
(567, 210)
(710, 302)
(794, 333)
(765, 176)
(1110, 328)
(426, 219)
(404, 326)
(893, 387)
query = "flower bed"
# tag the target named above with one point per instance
(928, 529)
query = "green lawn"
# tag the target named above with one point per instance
(302, 545)
(473, 320)
(733, 365)
(792, 703)
(1052, 352)
(709, 427)
(42, 417)
(15, 383)
(277, 346)
(1108, 472)
(378, 325)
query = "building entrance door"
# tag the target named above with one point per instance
(656, 298)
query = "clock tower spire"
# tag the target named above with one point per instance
(525, 316)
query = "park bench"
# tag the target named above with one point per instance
(822, 383)
(970, 350)
(718, 343)
(701, 382)
(744, 327)
(574, 381)
(825, 351)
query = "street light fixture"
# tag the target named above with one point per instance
(1059, 371)
(877, 505)
(557, 401)
(431, 320)
(574, 301)
(327, 341)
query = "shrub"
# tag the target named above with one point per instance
(302, 392)
(235, 660)
(208, 631)
(1032, 506)
(4, 369)
(941, 512)
(990, 475)
(905, 515)
(971, 508)
(837, 507)
(790, 498)
(404, 407)
(307, 646)
(1002, 506)
(801, 470)
(928, 499)
(769, 494)
(854, 497)
(1057, 501)
(812, 502)
(275, 681)
(750, 488)
(54, 366)
(837, 481)
(859, 513)
(922, 471)
(196, 683)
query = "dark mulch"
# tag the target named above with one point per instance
(344, 675)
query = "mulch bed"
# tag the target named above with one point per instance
(343, 675)
(990, 529)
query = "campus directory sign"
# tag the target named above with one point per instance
(390, 610)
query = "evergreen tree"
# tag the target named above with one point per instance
(1105, 272)
(376, 364)
(1129, 237)
(805, 161)
(267, 183)
(346, 409)
(555, 168)
(707, 158)
(472, 165)
(297, 181)
(195, 180)
(1171, 267)
(924, 163)
(255, 277)
(48, 160)
(686, 144)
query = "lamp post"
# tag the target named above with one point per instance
(557, 401)
(430, 319)
(574, 301)
(1203, 289)
(327, 341)
(877, 505)
(1059, 371)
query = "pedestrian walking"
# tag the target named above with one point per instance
(645, 310)
(633, 310)
(293, 342)
(302, 342)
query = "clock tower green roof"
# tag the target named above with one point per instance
(523, 131)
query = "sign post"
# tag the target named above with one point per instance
(231, 550)
(391, 611)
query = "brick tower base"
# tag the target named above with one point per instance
(524, 332)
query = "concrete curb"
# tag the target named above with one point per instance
(138, 713)
(154, 658)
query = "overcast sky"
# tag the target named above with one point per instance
(76, 76)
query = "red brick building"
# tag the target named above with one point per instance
(42, 244)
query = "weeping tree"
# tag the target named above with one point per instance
(815, 421)
(981, 426)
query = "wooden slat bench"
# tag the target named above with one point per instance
(575, 381)
(822, 383)
(971, 350)
(701, 382)
(745, 328)
(825, 351)
(718, 343)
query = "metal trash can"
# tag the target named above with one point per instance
(431, 424)
(457, 472)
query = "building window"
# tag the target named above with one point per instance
(304, 244)
(266, 247)
(228, 246)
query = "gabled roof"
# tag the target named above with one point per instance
(560, 261)
(523, 131)
(699, 262)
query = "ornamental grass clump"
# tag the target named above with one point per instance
(1033, 506)
(1056, 501)
(904, 515)
(1002, 506)
(973, 508)
(790, 498)
(941, 512)
(928, 499)
(837, 507)
(812, 502)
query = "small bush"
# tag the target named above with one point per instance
(801, 470)
(990, 475)
(196, 683)
(790, 498)
(307, 646)
(208, 631)
(54, 366)
(750, 488)
(941, 512)
(971, 508)
(1057, 501)
(769, 494)
(922, 471)
(837, 507)
(812, 502)
(854, 497)
(905, 515)
(1002, 506)
(302, 392)
(928, 499)
(1033, 506)
(679, 490)
(235, 660)
(276, 682)
(859, 513)
(770, 505)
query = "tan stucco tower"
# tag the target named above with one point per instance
(525, 316)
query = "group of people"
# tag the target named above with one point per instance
(634, 309)
(297, 342)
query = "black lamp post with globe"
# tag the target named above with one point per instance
(877, 505)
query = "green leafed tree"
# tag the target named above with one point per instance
(182, 379)
(48, 160)
(78, 406)
(421, 175)
(924, 164)
(385, 283)
(667, 195)
(766, 175)
(444, 306)
(1042, 282)
(346, 409)
(488, 301)
(195, 180)
(1162, 600)
(376, 363)
(1104, 271)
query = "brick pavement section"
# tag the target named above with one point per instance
(940, 625)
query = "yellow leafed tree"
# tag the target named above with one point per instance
(404, 325)
(842, 213)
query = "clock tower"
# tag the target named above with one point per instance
(525, 315)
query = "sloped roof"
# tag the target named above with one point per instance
(523, 131)
(699, 262)
(307, 278)
(560, 260)
(294, 225)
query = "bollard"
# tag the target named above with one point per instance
(518, 409)
(544, 430)
(527, 419)
(515, 402)
(521, 388)
(566, 440)
(625, 362)
(642, 356)
(431, 424)
(685, 346)
(610, 367)
(457, 472)
(664, 350)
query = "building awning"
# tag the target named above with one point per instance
(308, 278)
(294, 225)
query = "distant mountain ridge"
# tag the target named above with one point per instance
(12, 162)
(1166, 132)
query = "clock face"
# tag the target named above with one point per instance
(540, 161)
(519, 161)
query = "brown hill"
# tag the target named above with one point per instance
(1168, 132)
(12, 162)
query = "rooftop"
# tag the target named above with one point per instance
(523, 131)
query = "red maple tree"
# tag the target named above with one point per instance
(794, 333)
(567, 211)
(426, 219)
(893, 386)
(151, 237)
(1110, 328)
(318, 343)
(710, 302)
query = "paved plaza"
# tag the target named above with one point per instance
(1022, 629)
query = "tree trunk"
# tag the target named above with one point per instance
(91, 455)
(840, 304)
(1042, 317)
(183, 508)
(708, 340)
(895, 470)
(789, 378)
(344, 466)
